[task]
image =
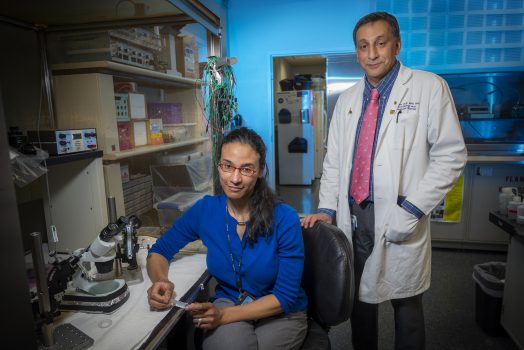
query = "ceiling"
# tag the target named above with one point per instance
(50, 13)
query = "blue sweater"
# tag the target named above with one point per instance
(272, 265)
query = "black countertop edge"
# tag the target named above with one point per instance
(67, 158)
(507, 225)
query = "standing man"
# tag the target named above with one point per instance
(395, 149)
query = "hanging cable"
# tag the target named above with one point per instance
(219, 102)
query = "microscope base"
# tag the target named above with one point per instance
(96, 301)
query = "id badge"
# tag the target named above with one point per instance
(244, 298)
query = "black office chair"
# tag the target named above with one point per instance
(328, 281)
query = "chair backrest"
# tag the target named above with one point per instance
(328, 277)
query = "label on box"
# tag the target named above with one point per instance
(121, 104)
(125, 135)
(124, 173)
(155, 131)
(189, 58)
(137, 106)
(140, 132)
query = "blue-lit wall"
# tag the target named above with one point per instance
(259, 30)
(440, 35)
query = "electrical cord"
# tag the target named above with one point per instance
(218, 101)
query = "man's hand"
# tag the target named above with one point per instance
(310, 220)
(159, 295)
(401, 225)
(205, 315)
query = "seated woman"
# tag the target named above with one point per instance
(255, 252)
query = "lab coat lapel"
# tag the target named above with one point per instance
(353, 113)
(398, 93)
(395, 99)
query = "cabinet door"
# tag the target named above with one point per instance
(77, 204)
(486, 180)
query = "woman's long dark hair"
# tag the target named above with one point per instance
(263, 199)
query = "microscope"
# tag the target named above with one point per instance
(92, 279)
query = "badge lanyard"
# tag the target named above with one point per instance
(237, 273)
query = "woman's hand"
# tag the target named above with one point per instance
(159, 295)
(205, 315)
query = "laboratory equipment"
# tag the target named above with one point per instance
(88, 280)
(59, 142)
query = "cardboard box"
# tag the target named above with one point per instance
(187, 56)
(122, 106)
(125, 135)
(140, 132)
(136, 106)
(155, 131)
(170, 113)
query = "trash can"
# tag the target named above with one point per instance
(489, 278)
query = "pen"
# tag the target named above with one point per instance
(398, 113)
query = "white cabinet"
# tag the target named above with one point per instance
(482, 178)
(84, 97)
(75, 203)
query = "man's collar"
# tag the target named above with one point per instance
(380, 86)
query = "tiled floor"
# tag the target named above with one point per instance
(303, 198)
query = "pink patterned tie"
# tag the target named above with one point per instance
(362, 162)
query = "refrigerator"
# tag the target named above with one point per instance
(296, 141)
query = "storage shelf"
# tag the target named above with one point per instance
(179, 124)
(73, 157)
(151, 149)
(124, 71)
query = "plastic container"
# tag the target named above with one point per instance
(504, 199)
(176, 133)
(512, 208)
(170, 209)
(490, 279)
(520, 214)
(506, 195)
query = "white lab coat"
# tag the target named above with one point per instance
(420, 156)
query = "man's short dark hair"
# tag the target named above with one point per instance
(378, 16)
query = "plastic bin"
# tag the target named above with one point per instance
(170, 209)
(489, 278)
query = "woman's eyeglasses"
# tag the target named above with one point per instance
(228, 168)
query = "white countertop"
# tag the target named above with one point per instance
(132, 323)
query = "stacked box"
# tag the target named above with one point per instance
(138, 194)
(136, 106)
(170, 113)
(122, 108)
(155, 131)
(140, 132)
(125, 135)
(187, 56)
